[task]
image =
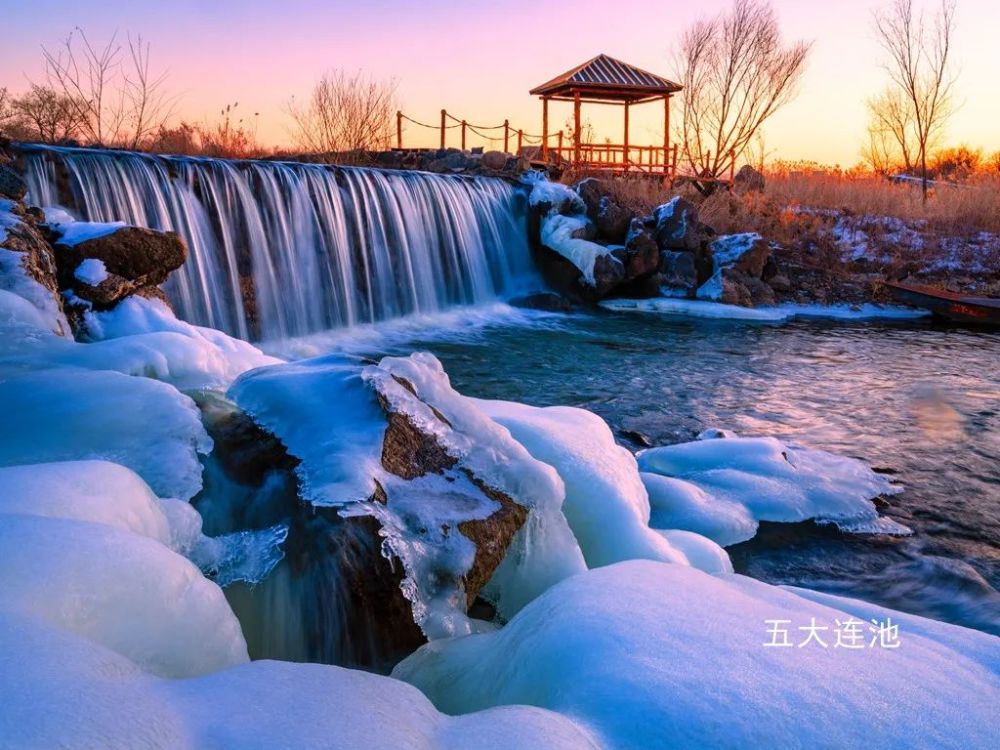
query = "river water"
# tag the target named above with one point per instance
(916, 400)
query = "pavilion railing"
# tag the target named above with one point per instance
(609, 157)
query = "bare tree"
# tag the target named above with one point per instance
(42, 114)
(737, 72)
(6, 110)
(119, 101)
(919, 67)
(347, 114)
(890, 133)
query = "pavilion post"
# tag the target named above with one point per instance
(545, 128)
(444, 114)
(666, 132)
(576, 127)
(625, 141)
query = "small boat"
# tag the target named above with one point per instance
(959, 308)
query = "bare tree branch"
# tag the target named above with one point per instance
(346, 115)
(737, 72)
(919, 100)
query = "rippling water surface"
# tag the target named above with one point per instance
(916, 400)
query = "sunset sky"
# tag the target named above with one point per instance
(479, 59)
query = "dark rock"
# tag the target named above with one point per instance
(780, 283)
(734, 291)
(641, 255)
(609, 272)
(586, 232)
(612, 220)
(134, 258)
(547, 301)
(143, 256)
(761, 294)
(678, 227)
(638, 438)
(451, 161)
(745, 253)
(11, 184)
(748, 180)
(678, 269)
(496, 160)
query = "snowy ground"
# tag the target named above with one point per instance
(627, 627)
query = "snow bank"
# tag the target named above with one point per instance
(96, 491)
(73, 233)
(127, 592)
(777, 314)
(606, 504)
(694, 308)
(14, 280)
(654, 655)
(72, 414)
(61, 691)
(723, 487)
(91, 271)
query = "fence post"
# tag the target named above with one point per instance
(732, 166)
(443, 116)
(399, 130)
(520, 141)
(463, 135)
(506, 136)
(559, 148)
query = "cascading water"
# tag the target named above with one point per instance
(282, 249)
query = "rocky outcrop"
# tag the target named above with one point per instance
(36, 259)
(11, 184)
(132, 260)
(343, 584)
(748, 180)
(611, 220)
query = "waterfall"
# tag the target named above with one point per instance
(279, 249)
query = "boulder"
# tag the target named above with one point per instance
(609, 272)
(612, 220)
(748, 180)
(547, 301)
(678, 226)
(746, 253)
(640, 256)
(34, 254)
(134, 258)
(678, 269)
(496, 160)
(11, 184)
(449, 161)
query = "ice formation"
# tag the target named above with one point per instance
(606, 504)
(723, 487)
(701, 308)
(647, 654)
(91, 271)
(75, 232)
(60, 690)
(566, 216)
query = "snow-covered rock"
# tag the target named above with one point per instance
(723, 487)
(654, 655)
(124, 591)
(62, 691)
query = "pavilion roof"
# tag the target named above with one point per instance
(603, 78)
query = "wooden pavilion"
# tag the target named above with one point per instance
(605, 80)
